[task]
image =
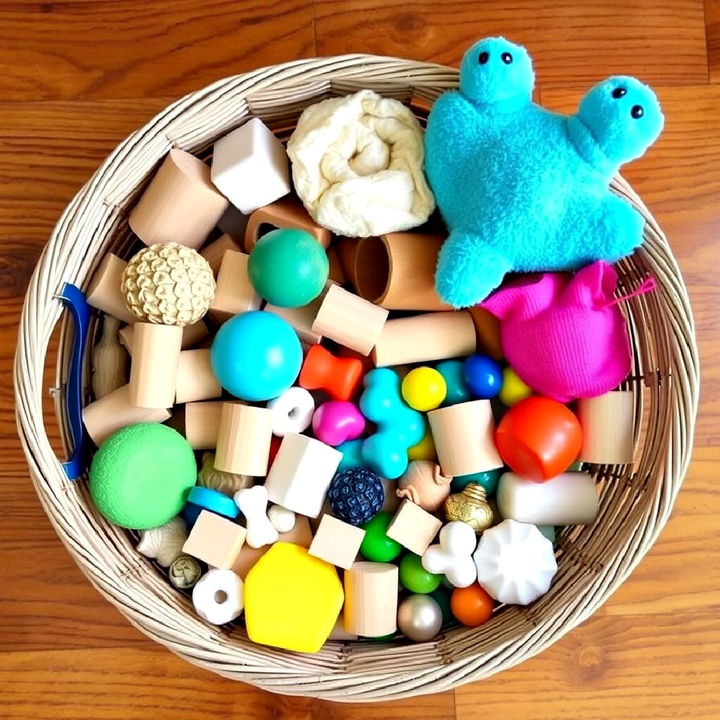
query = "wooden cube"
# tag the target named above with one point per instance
(215, 251)
(250, 166)
(234, 292)
(215, 540)
(336, 542)
(413, 527)
(195, 377)
(202, 423)
(104, 292)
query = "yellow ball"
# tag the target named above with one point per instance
(513, 388)
(424, 389)
(425, 449)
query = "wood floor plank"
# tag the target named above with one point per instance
(712, 32)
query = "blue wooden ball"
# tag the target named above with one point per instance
(356, 495)
(483, 376)
(256, 356)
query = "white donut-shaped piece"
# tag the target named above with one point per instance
(292, 411)
(218, 596)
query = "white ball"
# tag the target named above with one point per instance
(282, 519)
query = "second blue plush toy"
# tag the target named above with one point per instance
(525, 189)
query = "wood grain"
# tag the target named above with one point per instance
(77, 76)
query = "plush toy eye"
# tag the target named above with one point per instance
(483, 57)
(507, 58)
(637, 111)
(618, 92)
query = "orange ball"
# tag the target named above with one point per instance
(539, 438)
(472, 606)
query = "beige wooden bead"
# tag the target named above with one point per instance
(192, 335)
(202, 423)
(607, 425)
(243, 444)
(153, 373)
(371, 594)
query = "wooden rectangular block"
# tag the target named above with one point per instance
(202, 423)
(336, 542)
(234, 292)
(191, 335)
(413, 527)
(301, 319)
(104, 291)
(371, 596)
(214, 252)
(607, 425)
(195, 378)
(153, 371)
(215, 540)
(243, 441)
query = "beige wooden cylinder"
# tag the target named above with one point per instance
(104, 291)
(371, 594)
(346, 249)
(192, 335)
(243, 442)
(195, 378)
(349, 320)
(464, 438)
(336, 272)
(397, 271)
(202, 424)
(607, 425)
(422, 338)
(179, 205)
(155, 358)
(114, 411)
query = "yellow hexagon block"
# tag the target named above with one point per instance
(292, 599)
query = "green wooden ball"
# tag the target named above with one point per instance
(288, 267)
(376, 545)
(415, 578)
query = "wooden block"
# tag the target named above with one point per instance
(153, 371)
(109, 360)
(195, 378)
(288, 212)
(464, 436)
(234, 292)
(202, 423)
(243, 441)
(179, 205)
(301, 473)
(301, 319)
(346, 249)
(336, 273)
(192, 335)
(250, 166)
(214, 251)
(114, 411)
(104, 291)
(215, 540)
(371, 595)
(607, 425)
(233, 223)
(336, 542)
(349, 320)
(487, 330)
(422, 338)
(413, 527)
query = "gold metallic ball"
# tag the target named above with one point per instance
(470, 506)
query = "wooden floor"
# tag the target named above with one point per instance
(77, 76)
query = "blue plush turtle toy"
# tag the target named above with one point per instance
(523, 189)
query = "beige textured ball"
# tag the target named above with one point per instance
(168, 284)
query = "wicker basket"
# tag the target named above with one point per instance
(635, 500)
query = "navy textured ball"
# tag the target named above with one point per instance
(356, 495)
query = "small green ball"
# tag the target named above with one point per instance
(141, 475)
(415, 578)
(288, 267)
(376, 545)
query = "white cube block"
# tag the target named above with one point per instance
(250, 166)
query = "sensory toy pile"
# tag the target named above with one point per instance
(317, 438)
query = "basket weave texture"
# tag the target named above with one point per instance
(636, 500)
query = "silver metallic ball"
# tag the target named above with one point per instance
(419, 618)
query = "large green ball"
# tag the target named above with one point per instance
(141, 475)
(288, 267)
(376, 545)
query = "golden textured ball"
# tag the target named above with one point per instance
(168, 284)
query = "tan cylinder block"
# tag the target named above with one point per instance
(155, 358)
(371, 593)
(243, 443)
(464, 437)
(607, 425)
(192, 334)
(422, 338)
(114, 411)
(336, 273)
(397, 271)
(195, 378)
(179, 205)
(346, 249)
(104, 292)
(202, 424)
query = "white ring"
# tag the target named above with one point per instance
(292, 411)
(218, 596)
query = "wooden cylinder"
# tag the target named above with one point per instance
(214, 251)
(422, 338)
(349, 320)
(195, 378)
(607, 425)
(114, 411)
(397, 271)
(155, 358)
(487, 329)
(301, 319)
(192, 335)
(104, 292)
(464, 436)
(346, 249)
(243, 443)
(179, 205)
(371, 593)
(202, 424)
(336, 273)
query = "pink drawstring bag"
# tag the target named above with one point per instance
(564, 335)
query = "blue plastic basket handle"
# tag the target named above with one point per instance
(76, 304)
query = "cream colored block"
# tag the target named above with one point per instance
(336, 542)
(109, 360)
(104, 292)
(192, 335)
(371, 595)
(301, 319)
(195, 378)
(607, 425)
(215, 540)
(202, 423)
(413, 527)
(234, 292)
(349, 320)
(214, 252)
(243, 441)
(153, 371)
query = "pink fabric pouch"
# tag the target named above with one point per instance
(565, 335)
